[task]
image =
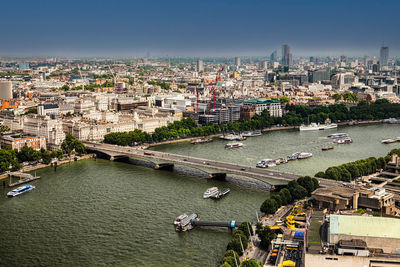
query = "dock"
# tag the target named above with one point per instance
(193, 221)
(23, 178)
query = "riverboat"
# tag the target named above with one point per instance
(327, 148)
(201, 141)
(233, 145)
(212, 191)
(20, 190)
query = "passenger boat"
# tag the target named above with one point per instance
(266, 163)
(327, 148)
(388, 141)
(221, 194)
(313, 126)
(294, 156)
(184, 222)
(251, 134)
(201, 141)
(231, 137)
(304, 155)
(346, 140)
(338, 135)
(233, 145)
(211, 192)
(20, 190)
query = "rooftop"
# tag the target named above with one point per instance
(365, 226)
(260, 101)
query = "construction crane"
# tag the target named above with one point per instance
(112, 73)
(212, 93)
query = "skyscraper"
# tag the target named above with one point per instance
(274, 57)
(237, 61)
(200, 65)
(286, 56)
(384, 56)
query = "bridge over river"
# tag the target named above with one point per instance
(214, 168)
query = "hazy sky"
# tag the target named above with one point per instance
(198, 27)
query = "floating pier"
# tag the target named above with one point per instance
(23, 178)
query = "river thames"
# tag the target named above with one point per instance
(102, 213)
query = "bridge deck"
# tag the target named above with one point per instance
(251, 172)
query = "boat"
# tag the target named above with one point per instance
(233, 145)
(282, 160)
(388, 141)
(391, 121)
(20, 190)
(251, 134)
(221, 194)
(294, 156)
(179, 219)
(266, 163)
(338, 135)
(201, 141)
(328, 126)
(312, 127)
(304, 155)
(346, 140)
(211, 192)
(327, 148)
(184, 223)
(232, 137)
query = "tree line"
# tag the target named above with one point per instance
(294, 116)
(296, 189)
(349, 171)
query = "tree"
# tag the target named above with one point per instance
(229, 260)
(251, 263)
(285, 195)
(225, 264)
(337, 97)
(269, 206)
(4, 128)
(235, 245)
(8, 160)
(70, 143)
(266, 235)
(245, 227)
(233, 254)
(277, 199)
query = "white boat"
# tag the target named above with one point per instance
(212, 191)
(294, 156)
(346, 140)
(388, 141)
(338, 135)
(20, 190)
(234, 145)
(266, 163)
(179, 219)
(251, 134)
(304, 155)
(231, 137)
(312, 127)
(328, 126)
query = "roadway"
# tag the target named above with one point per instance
(265, 175)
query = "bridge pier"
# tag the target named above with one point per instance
(217, 176)
(164, 166)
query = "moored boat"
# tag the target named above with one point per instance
(222, 193)
(211, 192)
(388, 141)
(346, 140)
(327, 148)
(304, 155)
(201, 141)
(251, 134)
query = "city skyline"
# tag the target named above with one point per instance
(179, 28)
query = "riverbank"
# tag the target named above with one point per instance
(40, 166)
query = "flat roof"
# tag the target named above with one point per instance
(365, 226)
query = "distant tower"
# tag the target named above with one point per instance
(200, 65)
(273, 57)
(237, 61)
(6, 90)
(384, 55)
(286, 56)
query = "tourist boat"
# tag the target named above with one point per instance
(312, 127)
(327, 148)
(346, 140)
(266, 163)
(179, 219)
(338, 135)
(232, 137)
(201, 141)
(233, 145)
(211, 192)
(221, 194)
(20, 190)
(185, 223)
(328, 126)
(251, 134)
(304, 155)
(294, 156)
(388, 141)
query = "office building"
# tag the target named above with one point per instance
(18, 141)
(200, 65)
(6, 90)
(384, 55)
(286, 55)
(274, 56)
(237, 61)
(318, 75)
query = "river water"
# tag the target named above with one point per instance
(102, 213)
(276, 144)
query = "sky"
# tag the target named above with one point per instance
(198, 28)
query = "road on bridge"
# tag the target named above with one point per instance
(114, 150)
